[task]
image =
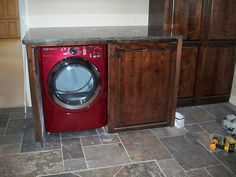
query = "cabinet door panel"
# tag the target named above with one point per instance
(2, 9)
(3, 29)
(11, 9)
(13, 28)
(223, 19)
(143, 82)
(187, 18)
(217, 69)
(188, 71)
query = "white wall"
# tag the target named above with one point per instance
(24, 26)
(60, 13)
(233, 91)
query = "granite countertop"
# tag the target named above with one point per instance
(106, 33)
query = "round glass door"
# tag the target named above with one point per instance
(74, 83)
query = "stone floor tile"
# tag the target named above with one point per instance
(148, 169)
(219, 171)
(229, 159)
(143, 145)
(4, 119)
(220, 110)
(75, 164)
(188, 152)
(62, 175)
(198, 173)
(72, 148)
(109, 138)
(171, 168)
(21, 115)
(31, 164)
(90, 140)
(19, 126)
(79, 134)
(105, 155)
(10, 149)
(10, 139)
(195, 114)
(51, 141)
(169, 131)
(213, 128)
(102, 172)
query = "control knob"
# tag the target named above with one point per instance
(73, 51)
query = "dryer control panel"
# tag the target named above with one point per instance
(88, 52)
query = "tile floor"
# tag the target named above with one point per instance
(158, 152)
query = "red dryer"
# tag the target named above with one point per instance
(74, 87)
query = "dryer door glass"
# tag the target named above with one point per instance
(74, 83)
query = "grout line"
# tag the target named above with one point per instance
(85, 159)
(7, 124)
(62, 156)
(168, 151)
(208, 172)
(210, 113)
(160, 168)
(22, 136)
(119, 171)
(209, 121)
(99, 137)
(124, 148)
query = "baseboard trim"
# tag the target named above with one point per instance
(232, 100)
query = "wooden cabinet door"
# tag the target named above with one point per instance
(187, 17)
(217, 69)
(223, 19)
(188, 73)
(141, 78)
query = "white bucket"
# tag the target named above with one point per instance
(179, 120)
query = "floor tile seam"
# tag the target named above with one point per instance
(85, 158)
(210, 113)
(160, 168)
(210, 134)
(124, 148)
(74, 159)
(117, 165)
(208, 172)
(62, 156)
(169, 152)
(99, 137)
(223, 164)
(209, 121)
(170, 135)
(121, 168)
(102, 144)
(74, 137)
(7, 124)
(22, 136)
(35, 152)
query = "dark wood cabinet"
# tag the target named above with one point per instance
(208, 55)
(187, 18)
(222, 19)
(189, 73)
(217, 64)
(142, 78)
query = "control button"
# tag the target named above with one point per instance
(84, 51)
(73, 51)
